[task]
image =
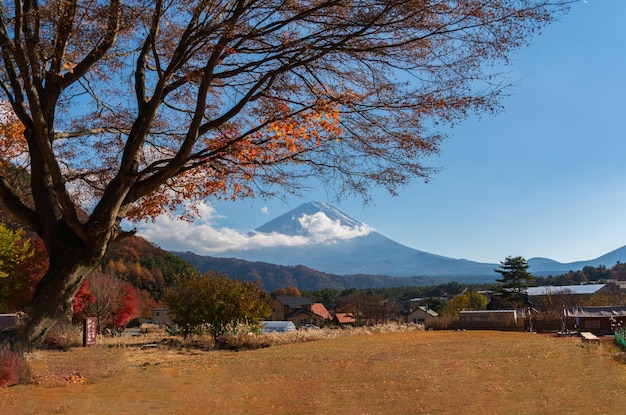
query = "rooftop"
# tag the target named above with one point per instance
(562, 289)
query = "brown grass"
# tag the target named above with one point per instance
(412, 372)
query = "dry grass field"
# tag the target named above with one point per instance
(415, 372)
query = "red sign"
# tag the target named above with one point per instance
(90, 331)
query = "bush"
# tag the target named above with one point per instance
(13, 368)
(62, 337)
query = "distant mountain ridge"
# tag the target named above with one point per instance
(371, 253)
(546, 266)
(272, 277)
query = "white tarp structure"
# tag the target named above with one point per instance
(277, 326)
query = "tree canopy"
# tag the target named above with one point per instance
(130, 109)
(14, 250)
(113, 302)
(213, 300)
(23, 262)
(467, 301)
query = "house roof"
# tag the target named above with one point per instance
(320, 310)
(570, 289)
(430, 311)
(345, 318)
(596, 311)
(293, 302)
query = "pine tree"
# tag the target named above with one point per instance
(514, 280)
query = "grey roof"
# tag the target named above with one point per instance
(430, 311)
(596, 311)
(570, 289)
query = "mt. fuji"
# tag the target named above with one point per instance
(290, 223)
(322, 238)
(328, 240)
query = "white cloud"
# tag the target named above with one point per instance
(265, 210)
(207, 239)
(323, 229)
(207, 213)
(204, 237)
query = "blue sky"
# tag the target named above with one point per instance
(546, 177)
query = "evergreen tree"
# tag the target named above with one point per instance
(515, 278)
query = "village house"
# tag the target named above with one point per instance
(344, 319)
(159, 316)
(300, 310)
(597, 320)
(420, 315)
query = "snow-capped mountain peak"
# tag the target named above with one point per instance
(313, 217)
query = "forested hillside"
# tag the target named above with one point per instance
(143, 264)
(273, 276)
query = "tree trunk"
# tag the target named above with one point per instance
(70, 262)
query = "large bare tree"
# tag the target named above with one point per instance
(129, 108)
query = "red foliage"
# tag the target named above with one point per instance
(127, 249)
(128, 308)
(83, 297)
(11, 364)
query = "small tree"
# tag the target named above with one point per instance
(215, 300)
(467, 301)
(515, 278)
(22, 264)
(14, 249)
(552, 304)
(114, 301)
